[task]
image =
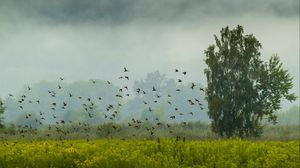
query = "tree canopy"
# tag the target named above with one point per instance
(242, 89)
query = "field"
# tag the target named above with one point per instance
(169, 153)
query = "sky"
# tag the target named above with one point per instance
(80, 40)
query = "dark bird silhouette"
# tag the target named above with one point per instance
(202, 89)
(153, 89)
(176, 70)
(193, 85)
(179, 80)
(125, 69)
(184, 73)
(127, 77)
(61, 78)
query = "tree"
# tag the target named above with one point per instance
(241, 88)
(2, 108)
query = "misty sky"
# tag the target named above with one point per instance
(80, 40)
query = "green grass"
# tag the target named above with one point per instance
(169, 153)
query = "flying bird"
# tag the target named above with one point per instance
(193, 85)
(153, 89)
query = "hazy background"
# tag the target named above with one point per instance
(80, 40)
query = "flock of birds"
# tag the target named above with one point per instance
(111, 109)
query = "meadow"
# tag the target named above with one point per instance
(149, 153)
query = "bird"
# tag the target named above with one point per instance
(193, 85)
(125, 69)
(153, 89)
(184, 73)
(61, 78)
(176, 70)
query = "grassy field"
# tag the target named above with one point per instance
(169, 153)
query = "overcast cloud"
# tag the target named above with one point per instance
(42, 40)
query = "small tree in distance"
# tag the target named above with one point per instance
(1, 113)
(241, 88)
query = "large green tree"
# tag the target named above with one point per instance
(242, 90)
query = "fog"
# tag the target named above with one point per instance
(82, 40)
